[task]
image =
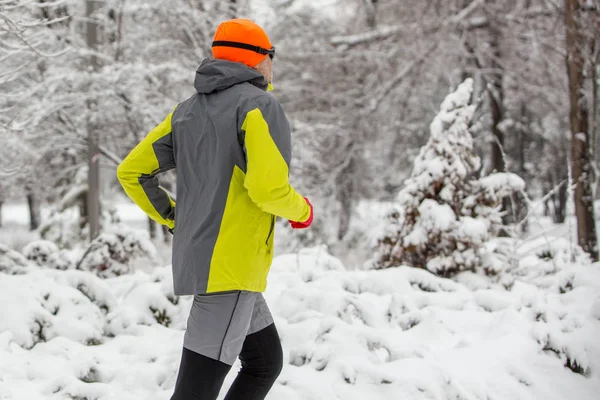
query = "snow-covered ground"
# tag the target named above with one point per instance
(529, 333)
(399, 333)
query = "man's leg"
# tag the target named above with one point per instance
(200, 377)
(262, 361)
(261, 357)
(215, 334)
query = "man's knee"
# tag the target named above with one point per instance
(268, 363)
(277, 363)
(267, 368)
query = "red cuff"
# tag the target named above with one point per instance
(308, 222)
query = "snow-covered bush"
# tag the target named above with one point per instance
(147, 300)
(444, 214)
(97, 290)
(45, 253)
(114, 254)
(406, 333)
(47, 309)
(11, 262)
(40, 251)
(62, 260)
(377, 334)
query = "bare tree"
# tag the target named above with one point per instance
(34, 211)
(581, 163)
(496, 97)
(93, 193)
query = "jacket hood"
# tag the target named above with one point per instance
(217, 75)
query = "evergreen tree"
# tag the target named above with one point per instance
(445, 214)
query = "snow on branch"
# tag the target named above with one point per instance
(465, 12)
(464, 17)
(400, 77)
(18, 33)
(365, 37)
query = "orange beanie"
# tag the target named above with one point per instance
(241, 31)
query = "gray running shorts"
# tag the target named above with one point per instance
(219, 323)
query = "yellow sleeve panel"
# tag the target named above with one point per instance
(137, 174)
(267, 173)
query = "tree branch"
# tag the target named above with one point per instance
(396, 81)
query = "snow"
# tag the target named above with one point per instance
(378, 334)
(502, 183)
(264, 12)
(444, 215)
(595, 311)
(130, 212)
(36, 308)
(40, 251)
(10, 260)
(380, 33)
(15, 214)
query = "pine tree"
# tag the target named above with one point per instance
(445, 214)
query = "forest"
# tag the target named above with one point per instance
(82, 82)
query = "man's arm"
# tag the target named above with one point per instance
(267, 139)
(137, 174)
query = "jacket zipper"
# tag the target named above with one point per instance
(271, 229)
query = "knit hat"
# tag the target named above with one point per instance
(241, 40)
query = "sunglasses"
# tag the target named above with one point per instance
(223, 43)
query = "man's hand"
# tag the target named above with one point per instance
(305, 224)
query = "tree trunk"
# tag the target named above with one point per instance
(517, 206)
(83, 210)
(595, 146)
(1, 203)
(523, 142)
(93, 197)
(558, 175)
(152, 228)
(496, 96)
(34, 212)
(580, 135)
(522, 138)
(345, 194)
(495, 91)
(166, 233)
(560, 214)
(595, 78)
(371, 13)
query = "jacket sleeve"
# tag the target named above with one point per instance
(137, 174)
(267, 140)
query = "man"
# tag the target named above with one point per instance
(231, 145)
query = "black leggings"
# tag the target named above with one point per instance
(201, 378)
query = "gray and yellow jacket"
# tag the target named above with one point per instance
(231, 145)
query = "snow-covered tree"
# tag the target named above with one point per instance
(582, 142)
(444, 215)
(145, 56)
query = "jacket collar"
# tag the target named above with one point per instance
(216, 75)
